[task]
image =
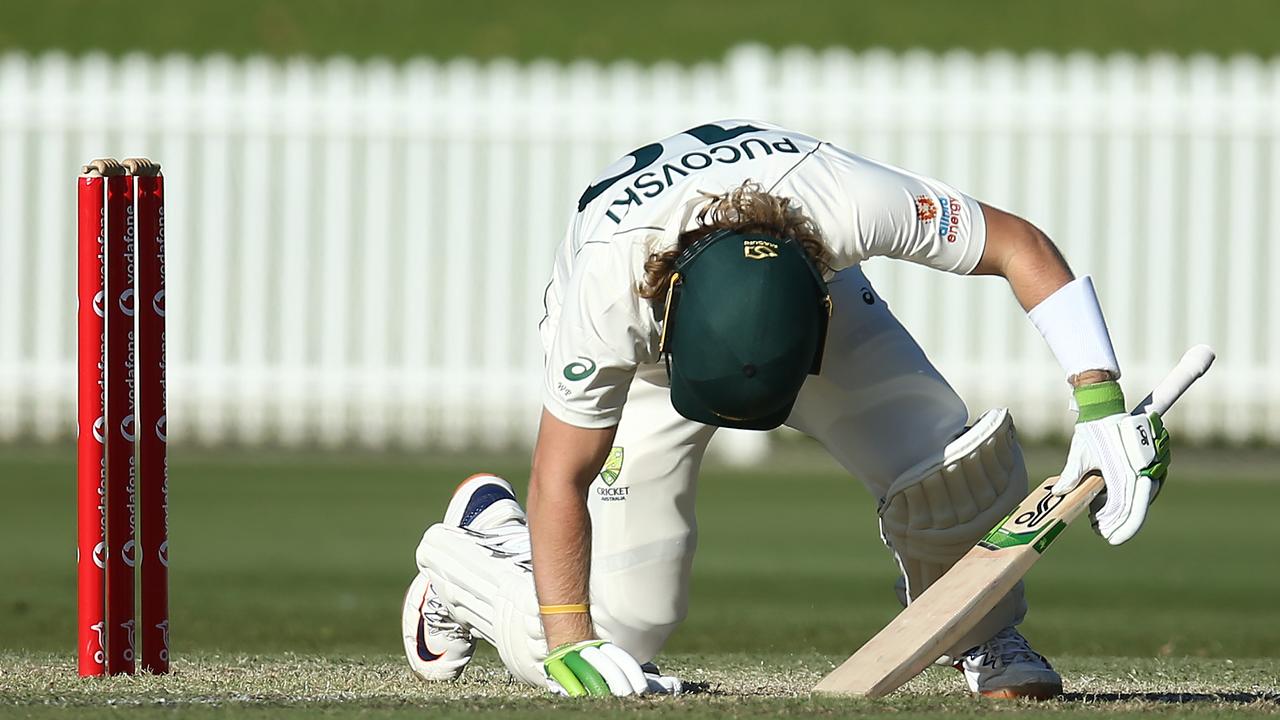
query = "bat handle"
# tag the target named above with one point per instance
(1194, 363)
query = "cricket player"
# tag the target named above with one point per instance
(711, 279)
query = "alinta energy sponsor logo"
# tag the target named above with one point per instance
(949, 224)
(926, 208)
(609, 475)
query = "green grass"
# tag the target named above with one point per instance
(645, 31)
(288, 569)
(736, 686)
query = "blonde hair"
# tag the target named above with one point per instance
(746, 208)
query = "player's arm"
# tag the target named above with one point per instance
(1131, 453)
(1020, 253)
(565, 461)
(589, 367)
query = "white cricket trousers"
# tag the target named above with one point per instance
(879, 407)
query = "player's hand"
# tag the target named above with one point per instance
(1131, 452)
(598, 667)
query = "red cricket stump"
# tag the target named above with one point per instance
(153, 469)
(91, 470)
(121, 419)
(120, 423)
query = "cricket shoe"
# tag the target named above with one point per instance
(1006, 667)
(438, 647)
(485, 507)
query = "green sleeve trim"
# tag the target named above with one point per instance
(563, 675)
(1099, 400)
(591, 678)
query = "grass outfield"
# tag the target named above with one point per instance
(721, 685)
(288, 571)
(646, 31)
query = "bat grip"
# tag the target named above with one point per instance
(1194, 363)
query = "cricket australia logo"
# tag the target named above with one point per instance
(609, 475)
(759, 250)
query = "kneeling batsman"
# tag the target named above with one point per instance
(712, 279)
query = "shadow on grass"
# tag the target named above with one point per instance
(1266, 698)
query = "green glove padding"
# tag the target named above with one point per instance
(1158, 470)
(578, 678)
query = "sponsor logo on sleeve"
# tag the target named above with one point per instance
(949, 224)
(580, 369)
(926, 209)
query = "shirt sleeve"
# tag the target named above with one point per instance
(898, 214)
(598, 341)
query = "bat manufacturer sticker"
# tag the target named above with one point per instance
(1047, 502)
(1025, 528)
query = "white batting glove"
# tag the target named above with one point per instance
(1131, 452)
(598, 667)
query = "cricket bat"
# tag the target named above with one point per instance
(953, 605)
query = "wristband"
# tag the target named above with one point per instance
(1070, 321)
(1099, 400)
(572, 609)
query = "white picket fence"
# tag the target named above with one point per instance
(357, 251)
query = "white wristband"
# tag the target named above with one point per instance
(1070, 320)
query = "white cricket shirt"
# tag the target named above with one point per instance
(598, 330)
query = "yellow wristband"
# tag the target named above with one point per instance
(574, 609)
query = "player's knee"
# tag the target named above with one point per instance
(641, 610)
(640, 633)
(932, 514)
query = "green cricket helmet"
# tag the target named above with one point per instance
(745, 323)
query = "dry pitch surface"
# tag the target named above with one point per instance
(732, 685)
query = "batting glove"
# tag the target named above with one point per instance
(1132, 452)
(598, 667)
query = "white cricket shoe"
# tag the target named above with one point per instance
(1006, 667)
(438, 647)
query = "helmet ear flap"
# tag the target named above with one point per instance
(828, 306)
(668, 312)
(824, 323)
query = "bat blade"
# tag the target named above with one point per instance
(942, 615)
(953, 605)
